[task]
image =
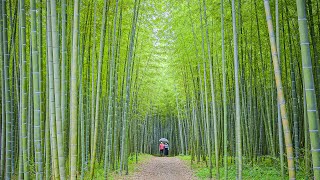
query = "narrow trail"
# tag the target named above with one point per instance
(160, 168)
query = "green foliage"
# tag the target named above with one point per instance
(99, 169)
(98, 172)
(267, 169)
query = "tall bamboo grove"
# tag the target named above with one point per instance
(88, 86)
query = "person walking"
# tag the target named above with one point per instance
(161, 148)
(166, 149)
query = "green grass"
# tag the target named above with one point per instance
(267, 169)
(99, 170)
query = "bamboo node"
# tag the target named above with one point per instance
(304, 43)
(313, 130)
(312, 110)
(302, 19)
(315, 150)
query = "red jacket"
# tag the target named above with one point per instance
(161, 146)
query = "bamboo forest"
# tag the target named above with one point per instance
(88, 87)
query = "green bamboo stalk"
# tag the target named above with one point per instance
(53, 134)
(126, 107)
(309, 88)
(86, 124)
(116, 95)
(3, 120)
(202, 114)
(237, 95)
(42, 97)
(205, 99)
(82, 132)
(3, 129)
(196, 126)
(36, 92)
(23, 81)
(277, 30)
(47, 130)
(280, 137)
(280, 129)
(20, 173)
(92, 77)
(102, 43)
(268, 119)
(281, 99)
(179, 125)
(14, 95)
(294, 94)
(306, 136)
(314, 46)
(82, 112)
(63, 68)
(279, 58)
(3, 117)
(20, 160)
(57, 88)
(115, 100)
(8, 101)
(73, 95)
(207, 121)
(225, 113)
(213, 103)
(111, 88)
(30, 115)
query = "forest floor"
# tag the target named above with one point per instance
(159, 168)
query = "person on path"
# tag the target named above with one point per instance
(161, 148)
(166, 149)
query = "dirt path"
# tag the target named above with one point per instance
(162, 168)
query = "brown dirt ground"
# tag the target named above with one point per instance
(162, 168)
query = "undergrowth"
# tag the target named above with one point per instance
(99, 169)
(266, 169)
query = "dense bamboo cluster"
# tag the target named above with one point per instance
(87, 86)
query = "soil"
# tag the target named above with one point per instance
(162, 168)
